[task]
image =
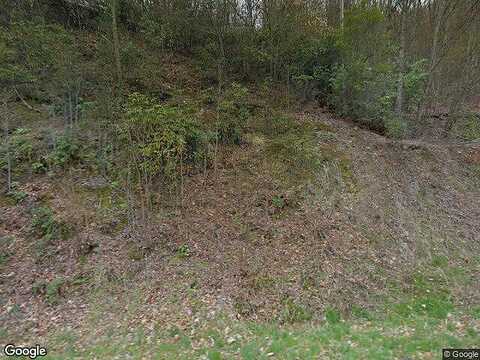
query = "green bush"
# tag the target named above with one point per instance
(20, 148)
(17, 195)
(278, 202)
(65, 151)
(233, 114)
(364, 93)
(27, 152)
(395, 127)
(184, 251)
(414, 84)
(39, 167)
(314, 63)
(160, 138)
(46, 226)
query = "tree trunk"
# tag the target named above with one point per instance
(438, 12)
(403, 44)
(9, 157)
(342, 12)
(116, 43)
(434, 52)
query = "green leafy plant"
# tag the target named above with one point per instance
(65, 151)
(278, 202)
(47, 227)
(161, 138)
(233, 113)
(184, 251)
(304, 82)
(365, 92)
(414, 82)
(15, 194)
(19, 149)
(39, 167)
(395, 127)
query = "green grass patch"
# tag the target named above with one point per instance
(418, 335)
(419, 319)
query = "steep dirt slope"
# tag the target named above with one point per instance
(415, 189)
(374, 213)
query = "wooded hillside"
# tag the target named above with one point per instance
(245, 179)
